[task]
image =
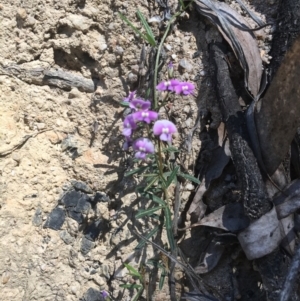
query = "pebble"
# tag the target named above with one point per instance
(93, 295)
(93, 229)
(21, 13)
(78, 185)
(132, 78)
(119, 50)
(37, 219)
(86, 246)
(185, 65)
(66, 237)
(100, 197)
(55, 219)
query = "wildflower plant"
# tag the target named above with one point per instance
(151, 139)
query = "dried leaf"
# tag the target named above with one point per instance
(235, 31)
(229, 217)
(288, 233)
(262, 237)
(277, 115)
(197, 206)
(289, 201)
(211, 257)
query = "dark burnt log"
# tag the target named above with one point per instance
(254, 195)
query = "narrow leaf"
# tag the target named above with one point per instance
(137, 31)
(154, 198)
(124, 103)
(131, 286)
(149, 33)
(148, 211)
(137, 170)
(168, 220)
(151, 183)
(172, 176)
(132, 270)
(148, 236)
(170, 149)
(189, 177)
(162, 279)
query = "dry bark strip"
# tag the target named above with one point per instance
(254, 196)
(52, 77)
(272, 267)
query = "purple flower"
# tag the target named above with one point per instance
(164, 129)
(129, 125)
(127, 143)
(146, 116)
(168, 85)
(139, 104)
(143, 146)
(130, 97)
(170, 69)
(104, 294)
(185, 88)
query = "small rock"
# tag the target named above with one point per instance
(190, 187)
(77, 216)
(132, 78)
(186, 65)
(119, 50)
(40, 125)
(93, 295)
(71, 199)
(66, 237)
(100, 197)
(83, 205)
(86, 246)
(93, 230)
(21, 13)
(55, 219)
(81, 186)
(37, 218)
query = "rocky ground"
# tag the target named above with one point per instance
(66, 210)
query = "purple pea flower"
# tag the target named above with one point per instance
(140, 104)
(146, 116)
(129, 125)
(164, 129)
(130, 97)
(127, 143)
(170, 69)
(104, 294)
(185, 88)
(168, 85)
(143, 146)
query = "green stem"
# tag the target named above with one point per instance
(158, 54)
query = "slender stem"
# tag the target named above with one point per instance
(158, 54)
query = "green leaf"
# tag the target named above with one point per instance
(137, 31)
(137, 170)
(150, 174)
(124, 103)
(149, 235)
(168, 220)
(162, 279)
(131, 286)
(148, 211)
(149, 33)
(155, 263)
(172, 176)
(132, 270)
(139, 293)
(154, 198)
(189, 177)
(170, 149)
(151, 183)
